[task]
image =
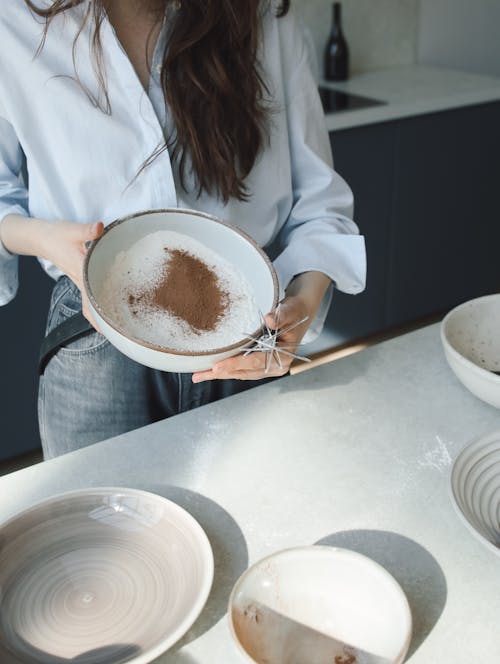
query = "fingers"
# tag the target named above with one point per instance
(92, 231)
(252, 367)
(254, 362)
(202, 376)
(86, 312)
(273, 372)
(76, 279)
(88, 232)
(72, 231)
(258, 365)
(291, 310)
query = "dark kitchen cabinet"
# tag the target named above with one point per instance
(426, 200)
(445, 227)
(22, 323)
(365, 157)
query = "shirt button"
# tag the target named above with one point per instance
(158, 69)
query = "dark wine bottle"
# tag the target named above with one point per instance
(336, 51)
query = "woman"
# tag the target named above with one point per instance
(119, 106)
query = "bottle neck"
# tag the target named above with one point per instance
(337, 18)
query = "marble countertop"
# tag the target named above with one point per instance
(410, 91)
(355, 453)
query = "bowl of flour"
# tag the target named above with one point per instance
(178, 290)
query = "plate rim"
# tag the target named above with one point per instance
(194, 613)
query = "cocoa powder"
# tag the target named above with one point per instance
(188, 289)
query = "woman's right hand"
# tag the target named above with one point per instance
(63, 243)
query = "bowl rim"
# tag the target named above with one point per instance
(196, 609)
(163, 349)
(485, 373)
(312, 548)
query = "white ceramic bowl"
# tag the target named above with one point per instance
(319, 605)
(470, 335)
(100, 576)
(229, 242)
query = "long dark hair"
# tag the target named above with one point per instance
(211, 82)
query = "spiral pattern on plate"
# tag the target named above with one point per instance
(475, 484)
(100, 577)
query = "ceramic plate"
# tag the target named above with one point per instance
(100, 576)
(320, 605)
(475, 489)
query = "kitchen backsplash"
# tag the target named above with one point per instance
(380, 33)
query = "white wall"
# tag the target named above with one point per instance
(380, 33)
(461, 34)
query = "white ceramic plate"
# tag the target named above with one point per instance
(475, 489)
(319, 605)
(100, 576)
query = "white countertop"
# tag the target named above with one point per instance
(412, 90)
(354, 453)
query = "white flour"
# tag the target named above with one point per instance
(437, 456)
(140, 268)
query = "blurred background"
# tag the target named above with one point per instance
(462, 34)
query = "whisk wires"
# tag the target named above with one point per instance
(268, 342)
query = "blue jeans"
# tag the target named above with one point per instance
(90, 391)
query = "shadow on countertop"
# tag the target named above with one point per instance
(230, 555)
(414, 568)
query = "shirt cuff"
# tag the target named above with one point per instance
(318, 322)
(9, 263)
(344, 261)
(9, 280)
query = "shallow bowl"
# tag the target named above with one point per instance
(470, 335)
(100, 576)
(228, 241)
(320, 605)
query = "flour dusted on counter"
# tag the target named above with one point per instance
(172, 291)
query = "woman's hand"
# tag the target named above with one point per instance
(65, 246)
(303, 297)
(63, 243)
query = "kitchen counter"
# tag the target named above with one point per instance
(355, 453)
(410, 91)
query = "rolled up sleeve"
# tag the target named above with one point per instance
(319, 234)
(13, 200)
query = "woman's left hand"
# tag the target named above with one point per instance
(302, 301)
